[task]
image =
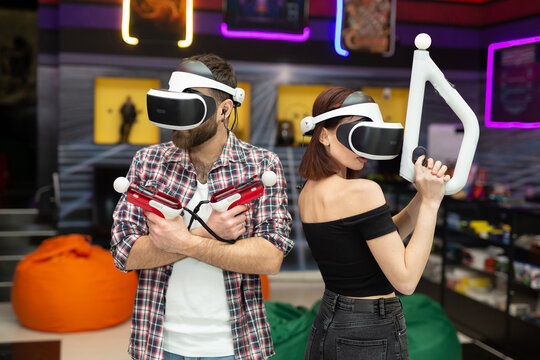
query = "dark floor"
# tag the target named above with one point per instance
(42, 350)
(50, 350)
(475, 352)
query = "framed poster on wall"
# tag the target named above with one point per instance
(120, 111)
(157, 21)
(365, 26)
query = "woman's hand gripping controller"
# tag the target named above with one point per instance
(430, 180)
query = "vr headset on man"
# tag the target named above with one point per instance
(182, 107)
(369, 136)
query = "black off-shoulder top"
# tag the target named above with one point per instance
(340, 249)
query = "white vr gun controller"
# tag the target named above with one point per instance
(424, 69)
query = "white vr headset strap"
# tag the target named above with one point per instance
(369, 110)
(181, 80)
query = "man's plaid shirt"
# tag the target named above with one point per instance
(169, 170)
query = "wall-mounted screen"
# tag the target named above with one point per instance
(513, 84)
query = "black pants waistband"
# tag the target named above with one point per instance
(382, 306)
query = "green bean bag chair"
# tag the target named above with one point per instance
(430, 332)
(290, 326)
(431, 335)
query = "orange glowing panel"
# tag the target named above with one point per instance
(157, 21)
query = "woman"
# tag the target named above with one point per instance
(358, 246)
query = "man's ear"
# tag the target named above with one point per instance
(225, 109)
(323, 138)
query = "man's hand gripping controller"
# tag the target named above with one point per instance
(157, 202)
(244, 193)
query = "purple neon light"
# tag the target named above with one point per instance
(489, 84)
(264, 35)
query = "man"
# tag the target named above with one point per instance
(197, 296)
(128, 112)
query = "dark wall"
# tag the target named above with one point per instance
(81, 40)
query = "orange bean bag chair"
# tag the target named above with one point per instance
(69, 285)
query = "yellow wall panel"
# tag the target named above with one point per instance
(244, 114)
(392, 102)
(295, 102)
(109, 95)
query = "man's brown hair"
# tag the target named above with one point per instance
(221, 70)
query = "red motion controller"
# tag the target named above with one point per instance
(151, 200)
(243, 193)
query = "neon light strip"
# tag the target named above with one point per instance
(337, 35)
(264, 35)
(125, 24)
(126, 4)
(189, 26)
(489, 84)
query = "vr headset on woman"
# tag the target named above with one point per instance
(369, 136)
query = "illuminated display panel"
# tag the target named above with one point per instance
(266, 19)
(513, 84)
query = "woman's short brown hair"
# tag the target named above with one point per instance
(317, 163)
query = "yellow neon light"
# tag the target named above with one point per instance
(189, 26)
(125, 24)
(126, 5)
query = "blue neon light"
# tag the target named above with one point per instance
(337, 36)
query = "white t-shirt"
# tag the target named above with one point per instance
(197, 319)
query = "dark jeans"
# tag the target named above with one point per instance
(346, 329)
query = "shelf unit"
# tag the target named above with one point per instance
(492, 323)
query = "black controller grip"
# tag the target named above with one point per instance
(419, 151)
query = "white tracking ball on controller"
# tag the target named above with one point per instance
(269, 178)
(121, 184)
(422, 41)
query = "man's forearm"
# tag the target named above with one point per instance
(145, 255)
(253, 255)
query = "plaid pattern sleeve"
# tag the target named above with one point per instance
(271, 220)
(128, 222)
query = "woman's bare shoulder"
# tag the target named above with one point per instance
(365, 192)
(336, 198)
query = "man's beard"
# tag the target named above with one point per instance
(187, 139)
